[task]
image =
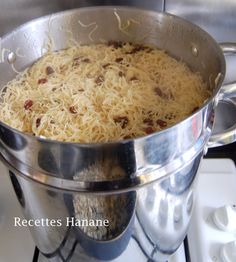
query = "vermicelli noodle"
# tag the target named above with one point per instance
(101, 93)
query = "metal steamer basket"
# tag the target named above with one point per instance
(144, 187)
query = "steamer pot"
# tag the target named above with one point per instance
(148, 181)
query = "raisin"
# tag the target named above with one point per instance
(195, 109)
(42, 81)
(38, 122)
(127, 137)
(119, 59)
(163, 95)
(28, 104)
(73, 110)
(133, 78)
(106, 65)
(136, 49)
(122, 120)
(149, 130)
(159, 92)
(161, 123)
(49, 70)
(86, 60)
(99, 80)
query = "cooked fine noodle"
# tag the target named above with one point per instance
(101, 93)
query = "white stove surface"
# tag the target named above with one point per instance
(216, 187)
(16, 244)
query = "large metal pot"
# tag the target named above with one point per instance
(146, 182)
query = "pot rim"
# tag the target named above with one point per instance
(122, 8)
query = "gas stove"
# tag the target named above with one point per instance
(216, 187)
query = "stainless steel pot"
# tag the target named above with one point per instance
(144, 185)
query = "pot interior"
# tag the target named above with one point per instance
(178, 37)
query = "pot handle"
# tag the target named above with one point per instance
(227, 92)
